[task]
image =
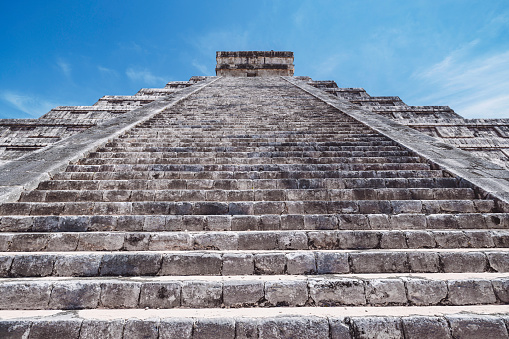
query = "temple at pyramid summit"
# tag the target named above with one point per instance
(254, 204)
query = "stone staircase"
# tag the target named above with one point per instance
(253, 210)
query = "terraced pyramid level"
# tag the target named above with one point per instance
(253, 209)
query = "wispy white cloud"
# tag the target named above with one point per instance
(145, 76)
(29, 104)
(204, 70)
(107, 71)
(65, 67)
(475, 87)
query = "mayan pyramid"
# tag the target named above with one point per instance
(254, 204)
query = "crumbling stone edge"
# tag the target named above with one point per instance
(70, 325)
(26, 172)
(488, 179)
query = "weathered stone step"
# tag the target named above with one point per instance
(254, 160)
(245, 175)
(397, 207)
(251, 262)
(358, 322)
(170, 154)
(183, 142)
(263, 291)
(256, 167)
(243, 184)
(166, 147)
(226, 194)
(154, 223)
(252, 240)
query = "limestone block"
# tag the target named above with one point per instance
(501, 287)
(499, 261)
(423, 292)
(393, 239)
(270, 263)
(320, 222)
(214, 328)
(136, 241)
(14, 329)
(323, 240)
(286, 292)
(339, 329)
(120, 294)
(380, 262)
(101, 242)
(63, 242)
(337, 291)
(32, 242)
(238, 264)
(79, 265)
(130, 264)
(160, 295)
(201, 294)
(293, 241)
(426, 327)
(72, 295)
(244, 222)
(300, 263)
(141, 329)
(327, 263)
(463, 262)
(65, 328)
(420, 239)
(177, 241)
(475, 327)
(242, 293)
(216, 241)
(107, 329)
(377, 328)
(258, 241)
(294, 327)
(33, 265)
(191, 264)
(385, 292)
(5, 265)
(219, 223)
(471, 292)
(424, 262)
(358, 240)
(176, 328)
(246, 328)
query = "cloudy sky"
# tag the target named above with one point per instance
(428, 52)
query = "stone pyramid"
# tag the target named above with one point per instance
(253, 204)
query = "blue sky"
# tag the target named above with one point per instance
(428, 52)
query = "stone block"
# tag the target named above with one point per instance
(160, 295)
(393, 239)
(48, 329)
(300, 263)
(471, 292)
(379, 262)
(141, 329)
(377, 328)
(242, 293)
(358, 240)
(385, 292)
(77, 265)
(5, 265)
(120, 294)
(74, 295)
(499, 261)
(330, 262)
(270, 263)
(246, 328)
(424, 262)
(14, 329)
(258, 241)
(286, 292)
(426, 327)
(422, 292)
(337, 291)
(475, 327)
(238, 264)
(323, 240)
(191, 264)
(339, 329)
(214, 328)
(216, 241)
(101, 242)
(130, 264)
(294, 327)
(178, 241)
(501, 287)
(32, 265)
(453, 262)
(176, 328)
(420, 239)
(104, 329)
(197, 294)
(293, 241)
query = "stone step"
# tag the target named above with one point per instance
(170, 154)
(393, 207)
(156, 223)
(231, 194)
(257, 167)
(245, 175)
(254, 160)
(398, 322)
(243, 184)
(252, 262)
(246, 291)
(186, 142)
(252, 240)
